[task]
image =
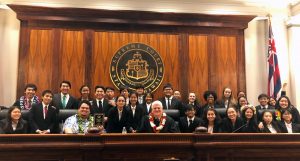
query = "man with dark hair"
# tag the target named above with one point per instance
(141, 94)
(100, 104)
(188, 123)
(25, 102)
(64, 100)
(43, 116)
(263, 100)
(110, 96)
(170, 102)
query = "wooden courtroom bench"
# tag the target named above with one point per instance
(150, 147)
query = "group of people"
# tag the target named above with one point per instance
(137, 112)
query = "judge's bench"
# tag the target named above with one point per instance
(150, 147)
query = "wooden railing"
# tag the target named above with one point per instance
(150, 147)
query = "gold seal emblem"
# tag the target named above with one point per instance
(137, 64)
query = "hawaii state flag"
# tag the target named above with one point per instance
(274, 82)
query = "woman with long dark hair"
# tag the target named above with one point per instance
(13, 123)
(211, 120)
(249, 119)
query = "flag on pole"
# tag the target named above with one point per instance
(274, 82)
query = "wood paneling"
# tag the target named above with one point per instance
(39, 59)
(107, 44)
(150, 147)
(198, 65)
(199, 52)
(72, 59)
(225, 62)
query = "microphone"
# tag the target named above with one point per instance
(236, 130)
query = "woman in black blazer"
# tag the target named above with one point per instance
(269, 125)
(232, 123)
(211, 120)
(136, 112)
(13, 123)
(249, 119)
(286, 125)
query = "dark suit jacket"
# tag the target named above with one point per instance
(170, 126)
(104, 109)
(217, 126)
(144, 107)
(175, 104)
(274, 125)
(283, 129)
(183, 124)
(71, 104)
(250, 127)
(114, 125)
(6, 127)
(135, 121)
(37, 121)
(229, 128)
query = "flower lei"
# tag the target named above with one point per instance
(24, 102)
(81, 122)
(278, 115)
(162, 122)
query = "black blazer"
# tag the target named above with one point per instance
(114, 125)
(216, 128)
(96, 109)
(6, 127)
(37, 121)
(135, 121)
(274, 125)
(229, 128)
(71, 104)
(175, 104)
(144, 107)
(283, 129)
(250, 127)
(183, 124)
(170, 126)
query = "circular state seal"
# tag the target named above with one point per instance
(137, 64)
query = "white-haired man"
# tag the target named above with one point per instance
(158, 121)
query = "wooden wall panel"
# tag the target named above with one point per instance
(72, 59)
(198, 65)
(39, 59)
(225, 59)
(107, 43)
(199, 52)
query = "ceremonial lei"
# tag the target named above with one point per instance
(24, 103)
(81, 123)
(162, 122)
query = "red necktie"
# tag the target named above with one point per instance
(45, 111)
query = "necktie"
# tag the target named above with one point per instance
(45, 111)
(64, 101)
(190, 122)
(169, 103)
(100, 106)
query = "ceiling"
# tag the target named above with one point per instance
(239, 7)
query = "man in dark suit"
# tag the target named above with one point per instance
(43, 116)
(263, 100)
(64, 100)
(170, 102)
(157, 121)
(141, 94)
(100, 104)
(25, 102)
(189, 123)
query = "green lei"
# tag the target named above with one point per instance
(81, 123)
